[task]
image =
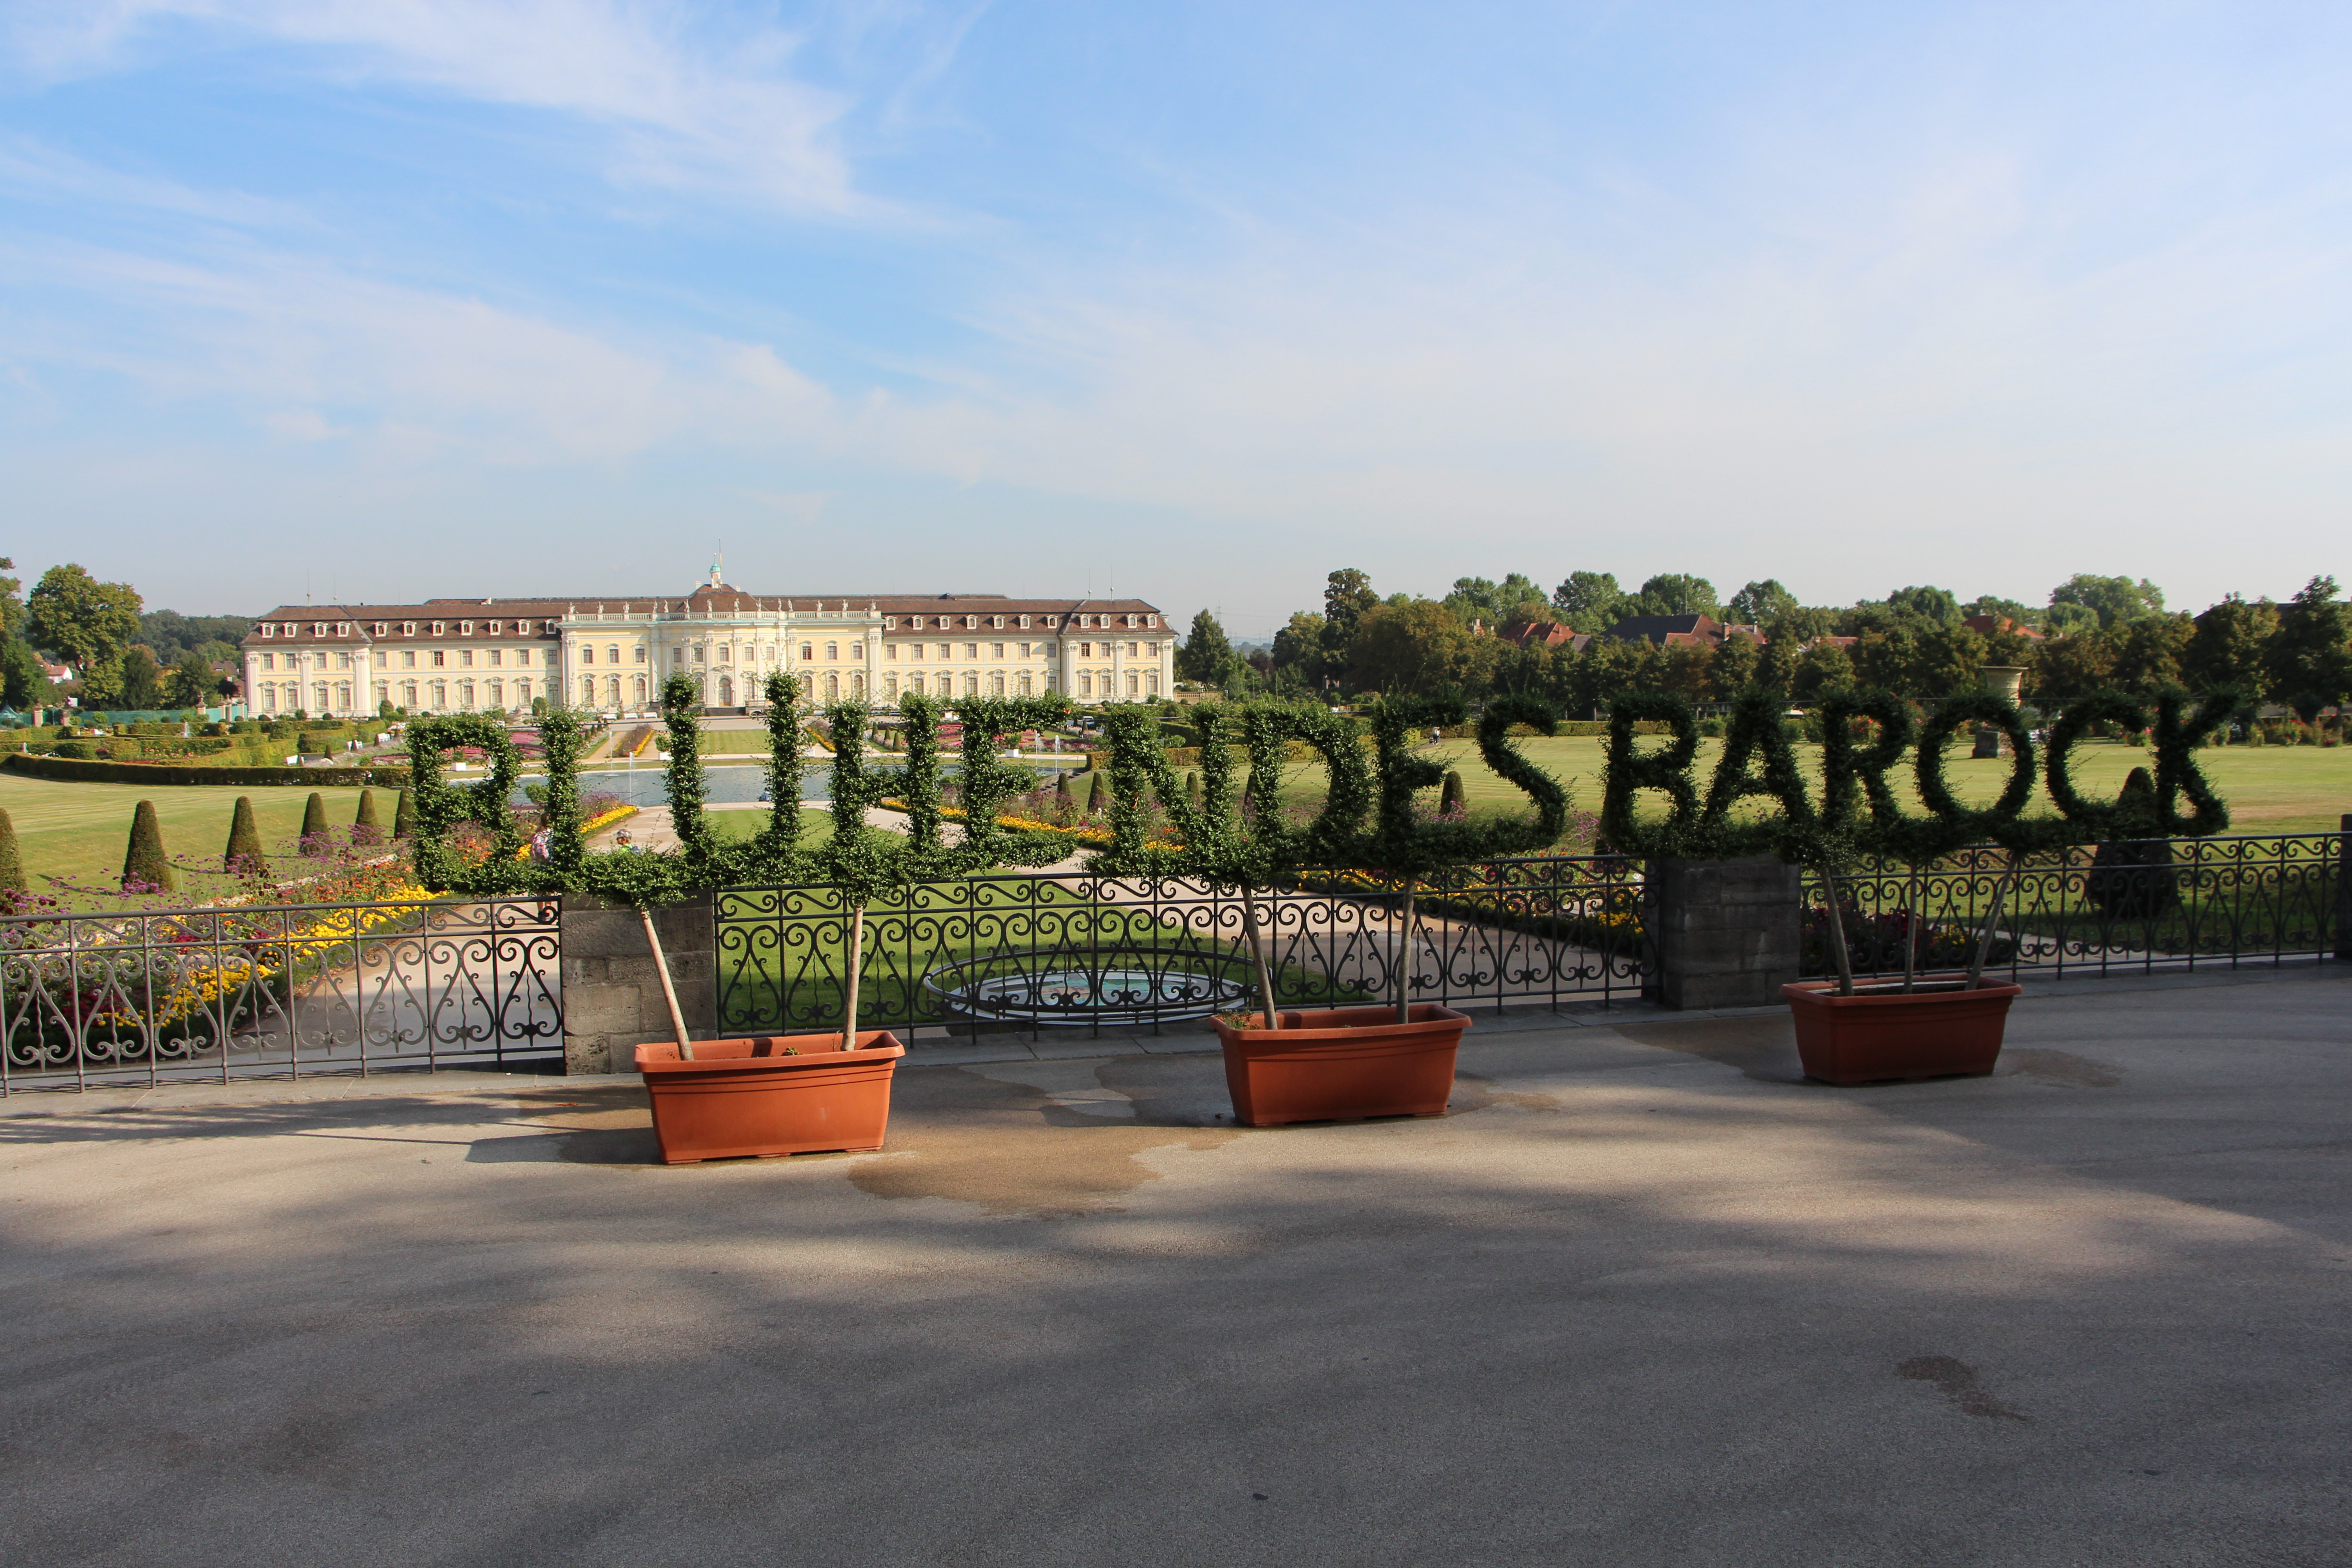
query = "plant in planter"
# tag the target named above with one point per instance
(1921, 1026)
(1325, 1064)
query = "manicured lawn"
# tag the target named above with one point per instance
(2269, 789)
(78, 832)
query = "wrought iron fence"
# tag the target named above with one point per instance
(1043, 951)
(97, 1001)
(2138, 906)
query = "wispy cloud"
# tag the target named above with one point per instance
(712, 110)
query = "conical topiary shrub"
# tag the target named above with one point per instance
(366, 828)
(1449, 798)
(243, 858)
(12, 865)
(1097, 794)
(1193, 790)
(1065, 805)
(145, 868)
(404, 817)
(314, 818)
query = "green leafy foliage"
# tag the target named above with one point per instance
(145, 865)
(244, 857)
(11, 862)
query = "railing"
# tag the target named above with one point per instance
(100, 1001)
(2140, 906)
(1072, 950)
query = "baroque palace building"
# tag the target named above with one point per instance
(462, 655)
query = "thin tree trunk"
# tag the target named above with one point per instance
(857, 964)
(1404, 958)
(1992, 918)
(669, 991)
(1258, 956)
(1837, 934)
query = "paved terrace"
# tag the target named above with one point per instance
(1643, 1298)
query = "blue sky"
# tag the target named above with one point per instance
(395, 298)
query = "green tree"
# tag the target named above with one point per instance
(140, 686)
(1939, 606)
(2075, 665)
(1348, 597)
(12, 864)
(1591, 601)
(2115, 600)
(1203, 652)
(1677, 594)
(1760, 604)
(404, 817)
(2231, 647)
(244, 857)
(84, 622)
(1299, 646)
(1820, 669)
(12, 601)
(1418, 647)
(1734, 668)
(2311, 655)
(145, 867)
(192, 683)
(314, 818)
(22, 683)
(2149, 651)
(1497, 604)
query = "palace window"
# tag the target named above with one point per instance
(464, 628)
(465, 695)
(408, 628)
(808, 653)
(408, 694)
(997, 622)
(641, 688)
(641, 653)
(497, 656)
(464, 658)
(677, 656)
(379, 628)
(1086, 650)
(701, 653)
(1024, 651)
(1130, 650)
(269, 661)
(891, 650)
(996, 650)
(522, 656)
(269, 629)
(889, 686)
(612, 656)
(408, 659)
(1134, 683)
(996, 683)
(1024, 622)
(438, 627)
(439, 658)
(947, 650)
(1085, 683)
(1024, 683)
(382, 658)
(972, 683)
(832, 650)
(832, 687)
(727, 655)
(522, 693)
(495, 626)
(857, 649)
(890, 623)
(1053, 623)
(587, 655)
(971, 623)
(498, 689)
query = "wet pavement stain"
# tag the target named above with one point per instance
(1957, 1381)
(1011, 1150)
(2058, 1068)
(1763, 1048)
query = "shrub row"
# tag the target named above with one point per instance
(68, 769)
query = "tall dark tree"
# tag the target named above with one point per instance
(1348, 597)
(140, 684)
(314, 819)
(2232, 645)
(1760, 604)
(2311, 656)
(1677, 594)
(366, 826)
(1202, 654)
(1937, 606)
(404, 817)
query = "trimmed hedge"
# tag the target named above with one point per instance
(66, 769)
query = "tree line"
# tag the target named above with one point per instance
(2094, 633)
(123, 655)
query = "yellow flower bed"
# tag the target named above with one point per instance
(210, 975)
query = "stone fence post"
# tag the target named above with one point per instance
(1724, 933)
(612, 993)
(2344, 888)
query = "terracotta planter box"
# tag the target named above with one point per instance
(739, 1097)
(1881, 1033)
(1341, 1064)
